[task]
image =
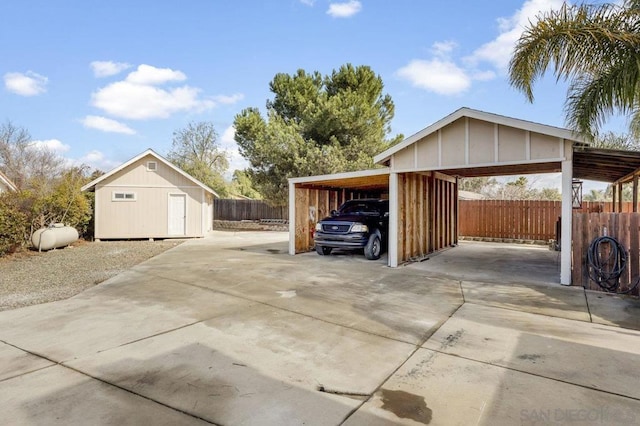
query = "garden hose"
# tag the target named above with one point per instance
(606, 269)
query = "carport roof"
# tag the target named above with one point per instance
(606, 165)
(365, 180)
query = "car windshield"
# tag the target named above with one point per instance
(360, 208)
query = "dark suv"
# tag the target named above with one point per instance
(357, 224)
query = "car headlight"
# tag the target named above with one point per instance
(359, 227)
(318, 226)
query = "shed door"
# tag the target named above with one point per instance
(177, 214)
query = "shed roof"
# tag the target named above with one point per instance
(4, 179)
(93, 183)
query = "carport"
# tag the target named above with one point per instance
(421, 174)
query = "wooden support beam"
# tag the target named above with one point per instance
(635, 193)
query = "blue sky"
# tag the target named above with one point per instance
(101, 81)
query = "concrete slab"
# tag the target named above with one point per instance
(495, 263)
(589, 355)
(259, 366)
(611, 309)
(438, 389)
(128, 307)
(14, 362)
(348, 290)
(550, 300)
(59, 396)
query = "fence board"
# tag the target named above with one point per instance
(227, 209)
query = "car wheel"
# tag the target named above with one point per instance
(373, 248)
(323, 251)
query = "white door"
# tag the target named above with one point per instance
(177, 214)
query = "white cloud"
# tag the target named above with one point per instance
(150, 75)
(106, 125)
(436, 75)
(139, 102)
(443, 48)
(51, 145)
(141, 95)
(25, 84)
(97, 160)
(108, 68)
(498, 51)
(228, 99)
(228, 143)
(345, 9)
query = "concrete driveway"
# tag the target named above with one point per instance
(231, 330)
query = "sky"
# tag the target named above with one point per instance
(101, 81)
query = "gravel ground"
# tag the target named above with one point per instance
(30, 278)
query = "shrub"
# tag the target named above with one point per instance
(14, 223)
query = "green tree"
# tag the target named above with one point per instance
(596, 48)
(196, 150)
(479, 185)
(241, 184)
(611, 140)
(315, 125)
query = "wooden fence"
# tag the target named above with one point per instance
(519, 219)
(227, 209)
(624, 227)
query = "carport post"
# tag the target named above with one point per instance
(392, 250)
(292, 218)
(567, 213)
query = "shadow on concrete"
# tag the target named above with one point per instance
(205, 383)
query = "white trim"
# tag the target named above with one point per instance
(124, 198)
(527, 145)
(292, 217)
(7, 182)
(149, 186)
(478, 115)
(566, 223)
(415, 155)
(161, 159)
(392, 245)
(186, 213)
(473, 166)
(337, 176)
(154, 168)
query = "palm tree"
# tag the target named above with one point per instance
(597, 49)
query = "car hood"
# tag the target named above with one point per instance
(349, 218)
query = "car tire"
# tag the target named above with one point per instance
(373, 249)
(323, 251)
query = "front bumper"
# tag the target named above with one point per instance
(353, 240)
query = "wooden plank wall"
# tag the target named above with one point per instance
(228, 209)
(427, 207)
(313, 205)
(624, 227)
(519, 219)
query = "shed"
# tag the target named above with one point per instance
(6, 185)
(148, 197)
(421, 180)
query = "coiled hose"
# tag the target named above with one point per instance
(606, 269)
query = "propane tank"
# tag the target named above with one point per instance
(55, 235)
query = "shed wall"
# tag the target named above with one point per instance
(147, 216)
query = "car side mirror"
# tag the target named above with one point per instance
(334, 212)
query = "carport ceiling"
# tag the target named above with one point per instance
(604, 165)
(372, 182)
